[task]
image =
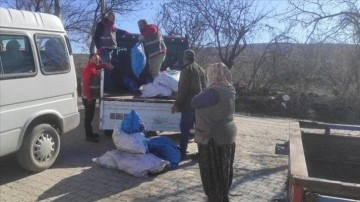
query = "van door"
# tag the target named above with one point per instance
(38, 99)
(17, 72)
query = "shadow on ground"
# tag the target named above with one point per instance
(10, 170)
(92, 184)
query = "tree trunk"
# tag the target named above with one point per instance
(57, 8)
(46, 7)
(37, 6)
(92, 46)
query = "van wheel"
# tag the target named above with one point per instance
(40, 148)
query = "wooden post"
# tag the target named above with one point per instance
(102, 9)
(327, 130)
(296, 193)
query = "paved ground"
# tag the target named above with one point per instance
(259, 174)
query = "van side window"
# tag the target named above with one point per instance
(53, 55)
(16, 57)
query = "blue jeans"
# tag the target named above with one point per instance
(186, 123)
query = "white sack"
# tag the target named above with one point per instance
(138, 165)
(106, 161)
(168, 78)
(153, 90)
(134, 143)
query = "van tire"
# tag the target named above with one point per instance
(40, 148)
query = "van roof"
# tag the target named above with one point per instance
(11, 18)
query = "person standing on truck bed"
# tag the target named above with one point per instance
(105, 37)
(154, 46)
(215, 132)
(91, 91)
(192, 81)
(105, 42)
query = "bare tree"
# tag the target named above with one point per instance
(183, 22)
(332, 21)
(78, 16)
(223, 24)
(57, 8)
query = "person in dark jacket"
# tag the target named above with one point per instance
(90, 91)
(154, 46)
(105, 37)
(192, 81)
(215, 132)
(106, 44)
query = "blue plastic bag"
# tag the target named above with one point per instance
(132, 123)
(165, 148)
(138, 58)
(130, 83)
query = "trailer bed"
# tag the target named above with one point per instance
(323, 166)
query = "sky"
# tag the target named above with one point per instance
(128, 22)
(151, 7)
(149, 10)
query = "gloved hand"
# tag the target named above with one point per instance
(98, 51)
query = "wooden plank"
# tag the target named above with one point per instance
(321, 125)
(311, 124)
(297, 161)
(322, 198)
(329, 187)
(343, 127)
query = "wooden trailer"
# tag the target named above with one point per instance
(323, 167)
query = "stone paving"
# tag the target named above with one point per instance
(259, 174)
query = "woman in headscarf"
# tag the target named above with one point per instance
(215, 132)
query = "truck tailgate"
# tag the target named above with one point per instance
(154, 112)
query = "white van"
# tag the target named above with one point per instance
(38, 98)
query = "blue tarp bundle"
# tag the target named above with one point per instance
(165, 148)
(132, 123)
(138, 58)
(130, 83)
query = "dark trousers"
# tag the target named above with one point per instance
(216, 170)
(89, 115)
(106, 55)
(187, 122)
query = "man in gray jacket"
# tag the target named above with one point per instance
(192, 81)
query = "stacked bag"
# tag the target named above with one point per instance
(132, 150)
(164, 85)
